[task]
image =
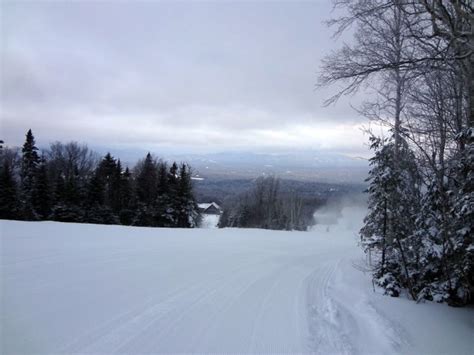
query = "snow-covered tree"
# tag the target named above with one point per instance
(187, 211)
(393, 204)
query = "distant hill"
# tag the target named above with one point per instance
(307, 165)
(295, 165)
(215, 189)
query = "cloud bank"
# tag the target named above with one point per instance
(198, 76)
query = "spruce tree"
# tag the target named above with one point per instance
(174, 203)
(115, 188)
(393, 206)
(162, 206)
(29, 165)
(187, 212)
(147, 181)
(95, 190)
(100, 192)
(126, 198)
(107, 171)
(146, 192)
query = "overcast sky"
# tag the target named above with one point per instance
(171, 76)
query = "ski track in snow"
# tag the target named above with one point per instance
(326, 323)
(336, 325)
(84, 289)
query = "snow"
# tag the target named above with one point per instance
(210, 220)
(72, 288)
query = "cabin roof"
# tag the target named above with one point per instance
(205, 206)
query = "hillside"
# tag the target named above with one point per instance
(72, 288)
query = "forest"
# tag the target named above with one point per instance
(70, 183)
(414, 60)
(265, 205)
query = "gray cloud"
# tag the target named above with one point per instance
(228, 75)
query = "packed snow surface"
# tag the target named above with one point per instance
(89, 289)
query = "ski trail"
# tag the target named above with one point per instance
(123, 329)
(259, 315)
(80, 289)
(327, 324)
(342, 321)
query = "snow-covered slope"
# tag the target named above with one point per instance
(71, 288)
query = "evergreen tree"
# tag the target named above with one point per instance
(29, 164)
(104, 193)
(109, 177)
(95, 190)
(144, 216)
(42, 191)
(8, 193)
(173, 204)
(147, 181)
(59, 190)
(73, 189)
(187, 212)
(70, 193)
(393, 205)
(100, 214)
(126, 198)
(126, 189)
(463, 223)
(146, 192)
(115, 188)
(163, 207)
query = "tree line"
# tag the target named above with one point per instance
(416, 59)
(70, 183)
(265, 206)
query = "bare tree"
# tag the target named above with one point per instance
(417, 57)
(72, 159)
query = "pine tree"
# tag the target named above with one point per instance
(29, 165)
